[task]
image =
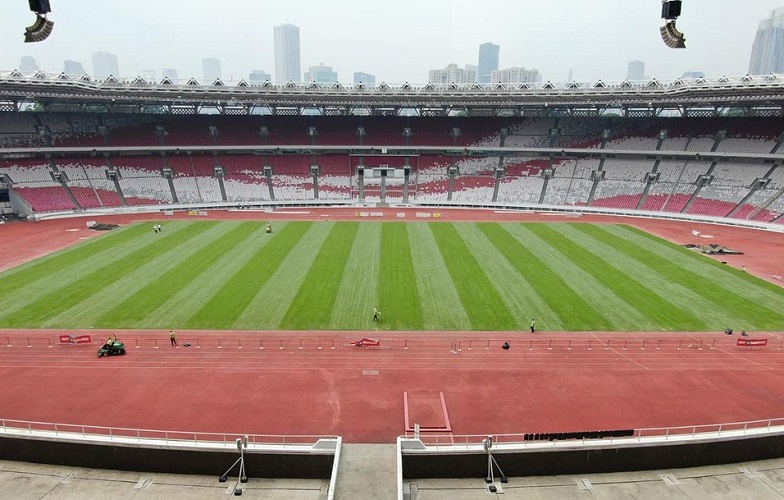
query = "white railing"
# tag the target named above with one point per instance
(702, 431)
(167, 437)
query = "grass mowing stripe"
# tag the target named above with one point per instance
(759, 309)
(312, 307)
(397, 292)
(174, 312)
(133, 311)
(47, 265)
(633, 306)
(479, 297)
(564, 289)
(92, 285)
(276, 293)
(437, 293)
(60, 269)
(89, 311)
(517, 293)
(357, 293)
(713, 304)
(625, 257)
(722, 275)
(567, 307)
(635, 285)
(233, 297)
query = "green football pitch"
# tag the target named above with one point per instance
(422, 276)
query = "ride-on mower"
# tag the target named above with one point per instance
(112, 347)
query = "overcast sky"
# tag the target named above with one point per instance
(397, 40)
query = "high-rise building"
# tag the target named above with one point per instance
(73, 68)
(636, 71)
(366, 78)
(27, 64)
(211, 69)
(258, 76)
(321, 74)
(767, 53)
(488, 61)
(515, 75)
(169, 73)
(453, 74)
(287, 67)
(105, 64)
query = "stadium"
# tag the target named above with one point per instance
(525, 246)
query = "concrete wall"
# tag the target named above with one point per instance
(267, 465)
(549, 463)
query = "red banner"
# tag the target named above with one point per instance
(753, 342)
(79, 339)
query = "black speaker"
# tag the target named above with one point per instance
(40, 6)
(671, 9)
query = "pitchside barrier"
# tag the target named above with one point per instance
(516, 341)
(592, 451)
(180, 452)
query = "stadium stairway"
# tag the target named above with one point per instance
(367, 471)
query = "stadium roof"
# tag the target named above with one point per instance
(686, 97)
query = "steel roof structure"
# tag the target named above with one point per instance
(749, 96)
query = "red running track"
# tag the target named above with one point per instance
(544, 383)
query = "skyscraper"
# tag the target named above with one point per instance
(211, 69)
(287, 67)
(321, 74)
(488, 61)
(259, 76)
(105, 64)
(516, 75)
(367, 78)
(27, 64)
(453, 74)
(636, 71)
(767, 53)
(169, 73)
(73, 68)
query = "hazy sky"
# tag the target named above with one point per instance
(397, 41)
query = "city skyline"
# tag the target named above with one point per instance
(532, 34)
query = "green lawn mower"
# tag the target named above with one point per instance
(112, 347)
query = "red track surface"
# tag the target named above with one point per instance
(546, 382)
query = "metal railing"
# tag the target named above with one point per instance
(168, 437)
(701, 431)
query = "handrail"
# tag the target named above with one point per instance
(645, 433)
(167, 436)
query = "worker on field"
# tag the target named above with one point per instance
(533, 325)
(376, 313)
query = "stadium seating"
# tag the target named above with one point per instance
(621, 183)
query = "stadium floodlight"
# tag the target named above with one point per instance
(671, 10)
(42, 27)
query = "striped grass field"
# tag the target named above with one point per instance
(422, 275)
